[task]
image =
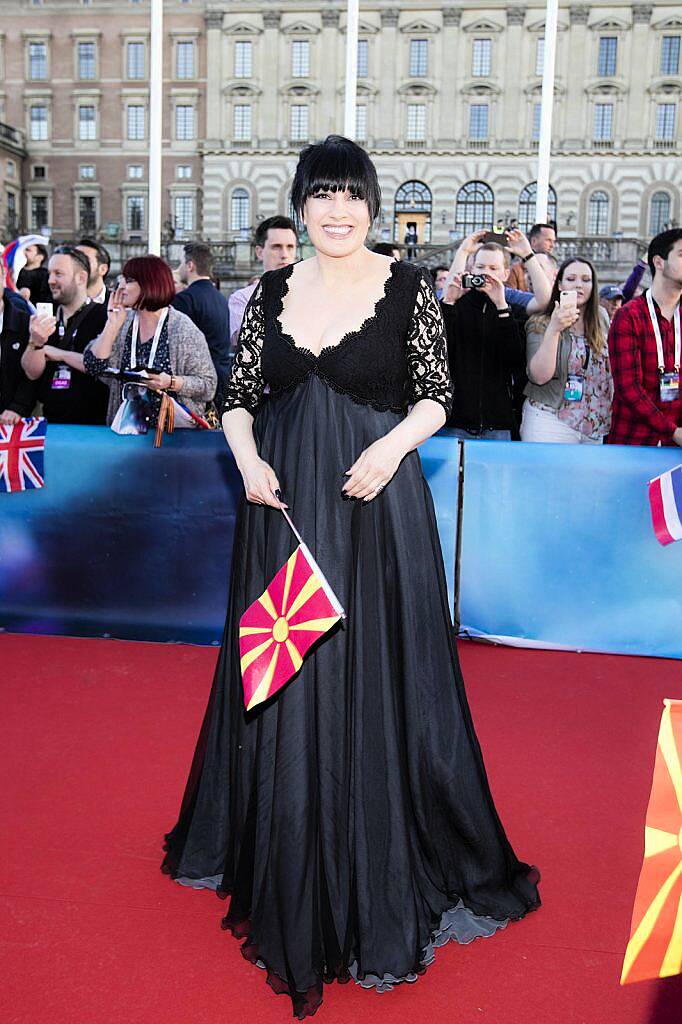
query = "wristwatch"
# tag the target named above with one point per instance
(528, 256)
(505, 311)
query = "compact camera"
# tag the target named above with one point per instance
(473, 280)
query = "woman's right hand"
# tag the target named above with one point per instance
(116, 311)
(260, 484)
(563, 317)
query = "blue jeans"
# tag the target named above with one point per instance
(486, 435)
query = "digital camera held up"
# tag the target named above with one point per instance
(473, 280)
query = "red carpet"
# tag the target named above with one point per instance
(98, 739)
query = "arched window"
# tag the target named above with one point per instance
(659, 212)
(413, 206)
(598, 214)
(528, 205)
(474, 210)
(240, 210)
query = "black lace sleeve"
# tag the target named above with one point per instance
(427, 353)
(244, 388)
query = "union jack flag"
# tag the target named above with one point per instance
(22, 454)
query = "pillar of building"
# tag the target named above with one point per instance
(385, 127)
(214, 77)
(637, 117)
(512, 105)
(270, 105)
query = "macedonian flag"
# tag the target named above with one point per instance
(275, 631)
(655, 946)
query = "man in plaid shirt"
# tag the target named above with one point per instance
(640, 415)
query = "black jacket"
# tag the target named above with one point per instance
(484, 351)
(209, 310)
(17, 392)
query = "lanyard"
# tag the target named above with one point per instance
(657, 334)
(155, 342)
(61, 325)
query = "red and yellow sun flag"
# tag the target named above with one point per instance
(275, 631)
(655, 946)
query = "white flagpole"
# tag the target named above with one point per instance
(349, 115)
(546, 109)
(155, 125)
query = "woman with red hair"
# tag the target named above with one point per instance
(143, 331)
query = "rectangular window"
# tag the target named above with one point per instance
(39, 218)
(482, 57)
(361, 123)
(241, 129)
(135, 170)
(86, 172)
(300, 58)
(184, 122)
(86, 62)
(478, 122)
(608, 50)
(39, 172)
(39, 124)
(363, 58)
(135, 60)
(670, 55)
(183, 210)
(11, 211)
(183, 171)
(87, 123)
(419, 58)
(603, 122)
(535, 131)
(540, 56)
(37, 61)
(87, 214)
(184, 59)
(135, 119)
(665, 122)
(135, 213)
(416, 122)
(243, 59)
(299, 122)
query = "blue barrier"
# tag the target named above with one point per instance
(557, 547)
(133, 542)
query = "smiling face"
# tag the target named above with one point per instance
(337, 222)
(579, 276)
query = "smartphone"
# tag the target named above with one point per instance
(568, 299)
(498, 237)
(44, 309)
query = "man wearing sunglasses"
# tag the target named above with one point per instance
(54, 356)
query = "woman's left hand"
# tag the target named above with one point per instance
(373, 469)
(159, 381)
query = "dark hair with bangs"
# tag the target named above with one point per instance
(155, 279)
(335, 165)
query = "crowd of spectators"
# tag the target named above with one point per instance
(537, 352)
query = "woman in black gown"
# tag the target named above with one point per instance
(349, 817)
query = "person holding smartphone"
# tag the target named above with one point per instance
(570, 387)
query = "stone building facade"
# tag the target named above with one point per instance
(74, 80)
(448, 105)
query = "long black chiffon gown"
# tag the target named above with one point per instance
(349, 817)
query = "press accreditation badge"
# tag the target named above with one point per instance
(670, 387)
(573, 392)
(62, 378)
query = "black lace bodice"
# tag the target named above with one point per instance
(396, 358)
